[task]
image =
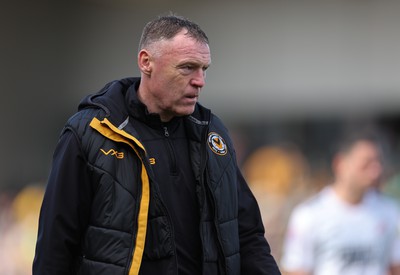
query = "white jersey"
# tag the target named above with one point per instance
(329, 237)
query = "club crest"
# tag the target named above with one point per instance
(217, 144)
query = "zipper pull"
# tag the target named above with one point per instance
(166, 133)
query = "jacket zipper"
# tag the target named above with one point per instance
(173, 171)
(171, 152)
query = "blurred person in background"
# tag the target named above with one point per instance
(145, 179)
(349, 227)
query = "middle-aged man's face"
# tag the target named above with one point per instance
(363, 165)
(177, 75)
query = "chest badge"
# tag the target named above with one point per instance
(217, 144)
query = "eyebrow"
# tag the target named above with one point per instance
(194, 63)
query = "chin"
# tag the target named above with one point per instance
(186, 112)
(183, 114)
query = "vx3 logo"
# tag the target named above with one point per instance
(112, 152)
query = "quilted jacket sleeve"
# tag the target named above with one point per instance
(65, 210)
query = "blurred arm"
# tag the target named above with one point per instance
(395, 270)
(298, 257)
(395, 255)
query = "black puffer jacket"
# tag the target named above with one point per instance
(103, 214)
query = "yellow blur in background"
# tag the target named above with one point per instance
(18, 229)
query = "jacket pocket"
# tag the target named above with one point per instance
(159, 243)
(107, 246)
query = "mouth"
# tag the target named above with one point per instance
(191, 99)
(192, 96)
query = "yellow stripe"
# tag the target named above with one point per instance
(107, 129)
(121, 132)
(142, 224)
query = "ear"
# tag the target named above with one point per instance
(144, 62)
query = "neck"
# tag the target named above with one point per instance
(348, 193)
(144, 97)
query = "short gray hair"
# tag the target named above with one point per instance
(166, 27)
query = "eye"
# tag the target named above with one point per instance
(187, 69)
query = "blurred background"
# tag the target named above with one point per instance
(287, 77)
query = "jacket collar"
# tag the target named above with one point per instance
(139, 111)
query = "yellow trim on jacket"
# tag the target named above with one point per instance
(107, 129)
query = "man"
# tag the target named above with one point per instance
(145, 180)
(349, 227)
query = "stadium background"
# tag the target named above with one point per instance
(287, 77)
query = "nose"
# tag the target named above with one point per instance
(199, 78)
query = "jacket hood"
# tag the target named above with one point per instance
(112, 99)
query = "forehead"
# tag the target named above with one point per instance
(183, 47)
(365, 148)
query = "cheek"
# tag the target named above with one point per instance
(374, 170)
(170, 80)
(177, 86)
(165, 87)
